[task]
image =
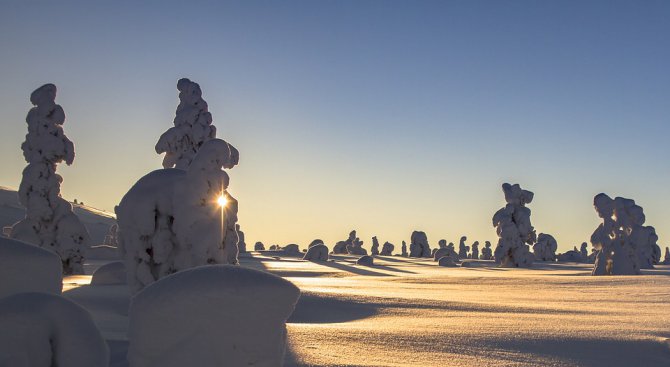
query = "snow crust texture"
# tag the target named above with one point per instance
(217, 315)
(50, 222)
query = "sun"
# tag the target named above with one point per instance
(222, 201)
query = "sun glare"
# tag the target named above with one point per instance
(222, 201)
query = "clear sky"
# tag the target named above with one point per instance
(381, 116)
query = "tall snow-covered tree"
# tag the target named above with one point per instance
(50, 222)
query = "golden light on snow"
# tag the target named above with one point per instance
(222, 201)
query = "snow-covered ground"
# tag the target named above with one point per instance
(412, 312)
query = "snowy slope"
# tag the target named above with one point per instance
(96, 221)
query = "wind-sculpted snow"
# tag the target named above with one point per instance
(623, 244)
(192, 128)
(46, 330)
(28, 268)
(217, 315)
(170, 219)
(545, 248)
(50, 222)
(513, 228)
(418, 246)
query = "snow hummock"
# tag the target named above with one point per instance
(216, 315)
(366, 260)
(192, 127)
(446, 261)
(170, 219)
(49, 222)
(43, 330)
(112, 273)
(513, 228)
(316, 252)
(418, 246)
(623, 244)
(545, 248)
(28, 268)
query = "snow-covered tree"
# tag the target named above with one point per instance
(192, 127)
(545, 248)
(462, 248)
(241, 245)
(418, 246)
(404, 249)
(584, 252)
(387, 249)
(513, 228)
(111, 239)
(50, 222)
(259, 246)
(475, 250)
(487, 252)
(375, 246)
(172, 219)
(624, 245)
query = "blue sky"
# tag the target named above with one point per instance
(385, 116)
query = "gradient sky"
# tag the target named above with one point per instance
(381, 116)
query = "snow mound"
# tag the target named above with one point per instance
(446, 261)
(28, 268)
(217, 315)
(445, 252)
(110, 274)
(43, 330)
(366, 260)
(291, 249)
(317, 252)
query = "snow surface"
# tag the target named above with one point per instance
(28, 268)
(411, 312)
(217, 315)
(46, 330)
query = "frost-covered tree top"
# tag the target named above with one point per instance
(50, 222)
(192, 127)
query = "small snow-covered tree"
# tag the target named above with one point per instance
(50, 222)
(387, 249)
(475, 250)
(545, 248)
(513, 228)
(404, 249)
(111, 239)
(241, 245)
(462, 248)
(487, 252)
(375, 246)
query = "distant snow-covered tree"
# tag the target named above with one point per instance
(513, 228)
